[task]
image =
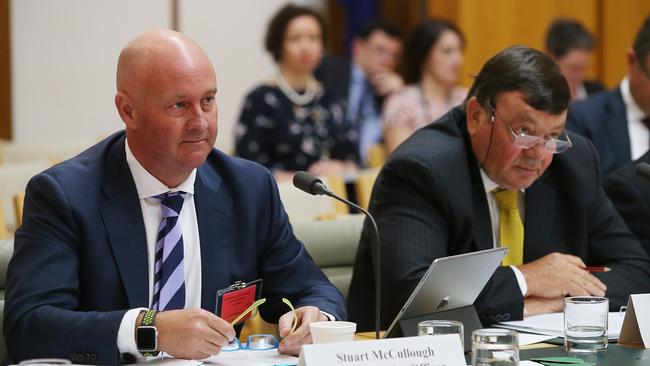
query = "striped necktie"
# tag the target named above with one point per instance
(169, 273)
(511, 229)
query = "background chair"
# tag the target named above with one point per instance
(6, 250)
(301, 206)
(16, 152)
(333, 246)
(363, 186)
(13, 180)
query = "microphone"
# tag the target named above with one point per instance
(316, 187)
(642, 170)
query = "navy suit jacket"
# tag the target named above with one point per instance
(602, 118)
(429, 202)
(80, 256)
(631, 197)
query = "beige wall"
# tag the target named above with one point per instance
(64, 54)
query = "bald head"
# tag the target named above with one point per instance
(166, 96)
(155, 53)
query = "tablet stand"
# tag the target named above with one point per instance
(466, 315)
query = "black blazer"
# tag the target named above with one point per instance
(603, 120)
(631, 197)
(429, 202)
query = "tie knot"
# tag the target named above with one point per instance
(171, 202)
(507, 200)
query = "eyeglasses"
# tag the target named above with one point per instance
(259, 341)
(255, 342)
(555, 145)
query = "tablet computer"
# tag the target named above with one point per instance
(450, 283)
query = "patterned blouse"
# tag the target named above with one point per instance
(409, 109)
(280, 135)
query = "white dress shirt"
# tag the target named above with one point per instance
(638, 132)
(489, 185)
(148, 186)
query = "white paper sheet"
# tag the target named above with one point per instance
(251, 358)
(553, 324)
(526, 339)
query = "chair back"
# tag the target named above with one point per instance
(333, 246)
(302, 206)
(13, 180)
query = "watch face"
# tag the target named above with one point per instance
(146, 338)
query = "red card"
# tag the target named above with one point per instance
(235, 302)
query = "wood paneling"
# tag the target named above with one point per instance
(490, 26)
(620, 22)
(5, 72)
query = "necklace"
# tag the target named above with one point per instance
(299, 99)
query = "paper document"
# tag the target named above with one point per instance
(239, 358)
(553, 324)
(526, 339)
(251, 358)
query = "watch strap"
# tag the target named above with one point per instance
(149, 319)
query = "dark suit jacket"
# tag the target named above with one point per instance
(631, 197)
(429, 202)
(603, 120)
(80, 256)
(335, 75)
(593, 86)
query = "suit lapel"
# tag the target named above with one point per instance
(482, 228)
(616, 124)
(216, 224)
(124, 224)
(481, 225)
(538, 226)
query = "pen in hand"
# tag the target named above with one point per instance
(594, 269)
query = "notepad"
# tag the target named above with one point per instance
(553, 324)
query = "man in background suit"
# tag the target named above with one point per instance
(630, 195)
(500, 170)
(155, 218)
(571, 46)
(617, 122)
(366, 81)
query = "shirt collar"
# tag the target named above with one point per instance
(488, 184)
(633, 109)
(147, 185)
(357, 74)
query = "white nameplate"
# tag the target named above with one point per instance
(636, 325)
(439, 350)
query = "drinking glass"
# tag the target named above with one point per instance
(585, 323)
(437, 327)
(495, 347)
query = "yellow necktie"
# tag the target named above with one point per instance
(511, 229)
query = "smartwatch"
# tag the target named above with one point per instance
(146, 335)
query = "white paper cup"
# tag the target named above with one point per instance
(332, 332)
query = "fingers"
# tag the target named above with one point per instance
(306, 316)
(576, 261)
(284, 324)
(294, 349)
(589, 285)
(224, 328)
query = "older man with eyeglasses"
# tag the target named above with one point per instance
(500, 170)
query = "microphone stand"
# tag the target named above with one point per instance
(376, 256)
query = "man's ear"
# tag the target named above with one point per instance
(475, 116)
(125, 108)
